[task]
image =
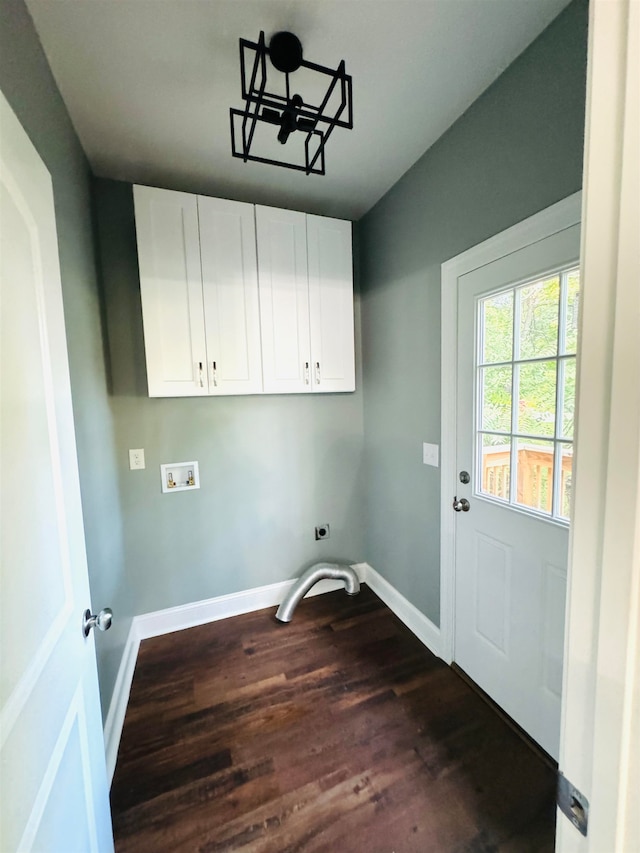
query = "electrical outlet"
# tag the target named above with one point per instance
(136, 459)
(322, 531)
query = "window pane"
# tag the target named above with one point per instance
(537, 398)
(495, 393)
(573, 303)
(496, 318)
(564, 504)
(539, 307)
(525, 394)
(495, 465)
(535, 474)
(568, 397)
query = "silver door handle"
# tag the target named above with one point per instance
(101, 621)
(306, 373)
(461, 505)
(214, 373)
(317, 372)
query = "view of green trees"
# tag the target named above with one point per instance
(538, 307)
(528, 337)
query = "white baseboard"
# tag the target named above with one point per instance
(120, 699)
(414, 619)
(224, 606)
(221, 607)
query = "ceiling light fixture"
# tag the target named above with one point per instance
(319, 101)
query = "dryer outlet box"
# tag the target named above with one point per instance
(322, 531)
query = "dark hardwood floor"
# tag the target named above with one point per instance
(338, 732)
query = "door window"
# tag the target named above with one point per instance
(525, 389)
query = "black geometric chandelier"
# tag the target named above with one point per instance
(287, 122)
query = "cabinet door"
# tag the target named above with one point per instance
(331, 304)
(230, 293)
(284, 300)
(171, 291)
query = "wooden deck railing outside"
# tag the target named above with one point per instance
(535, 476)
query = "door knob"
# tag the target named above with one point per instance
(461, 505)
(101, 621)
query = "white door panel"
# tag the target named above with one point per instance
(331, 303)
(171, 291)
(230, 293)
(506, 635)
(52, 765)
(63, 804)
(284, 300)
(510, 562)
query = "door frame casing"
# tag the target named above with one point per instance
(600, 728)
(559, 216)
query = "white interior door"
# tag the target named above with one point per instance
(53, 781)
(516, 357)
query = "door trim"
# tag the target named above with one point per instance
(600, 733)
(559, 216)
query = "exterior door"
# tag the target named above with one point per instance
(53, 781)
(517, 333)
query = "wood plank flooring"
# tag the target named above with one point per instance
(337, 732)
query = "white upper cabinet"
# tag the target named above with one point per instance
(199, 289)
(171, 291)
(329, 257)
(284, 300)
(230, 293)
(238, 299)
(306, 302)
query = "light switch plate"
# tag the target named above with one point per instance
(430, 454)
(136, 459)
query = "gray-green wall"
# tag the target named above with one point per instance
(271, 467)
(517, 150)
(27, 83)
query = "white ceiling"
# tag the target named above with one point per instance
(149, 84)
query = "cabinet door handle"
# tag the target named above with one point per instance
(317, 372)
(306, 373)
(214, 373)
(200, 375)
